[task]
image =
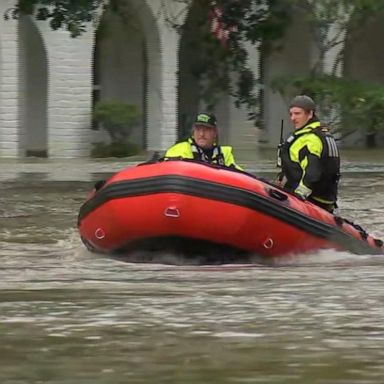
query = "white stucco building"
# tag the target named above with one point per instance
(49, 80)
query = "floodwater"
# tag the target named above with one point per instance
(69, 316)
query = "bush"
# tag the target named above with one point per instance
(117, 119)
(114, 149)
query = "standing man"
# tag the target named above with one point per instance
(203, 145)
(310, 157)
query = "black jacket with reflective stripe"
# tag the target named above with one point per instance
(310, 156)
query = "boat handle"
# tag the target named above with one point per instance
(276, 194)
(172, 212)
(268, 243)
(99, 233)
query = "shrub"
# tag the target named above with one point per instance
(117, 119)
(114, 149)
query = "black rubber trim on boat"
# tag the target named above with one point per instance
(228, 194)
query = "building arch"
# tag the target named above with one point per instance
(33, 72)
(363, 58)
(127, 65)
(191, 64)
(1, 93)
(293, 55)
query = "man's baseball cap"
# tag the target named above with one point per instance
(206, 119)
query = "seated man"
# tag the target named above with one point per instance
(202, 144)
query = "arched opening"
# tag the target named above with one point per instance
(293, 55)
(33, 90)
(192, 62)
(1, 100)
(121, 66)
(363, 60)
(364, 54)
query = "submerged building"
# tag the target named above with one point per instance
(50, 81)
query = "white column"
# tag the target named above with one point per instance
(169, 86)
(9, 84)
(243, 134)
(162, 132)
(337, 33)
(331, 66)
(69, 91)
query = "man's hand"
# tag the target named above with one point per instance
(281, 180)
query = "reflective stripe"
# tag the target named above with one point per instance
(303, 190)
(332, 147)
(322, 200)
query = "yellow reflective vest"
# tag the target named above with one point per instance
(221, 155)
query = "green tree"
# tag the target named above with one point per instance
(359, 106)
(70, 14)
(347, 105)
(223, 67)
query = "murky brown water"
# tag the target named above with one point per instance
(69, 316)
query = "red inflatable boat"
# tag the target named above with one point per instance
(186, 205)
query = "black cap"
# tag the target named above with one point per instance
(206, 119)
(303, 101)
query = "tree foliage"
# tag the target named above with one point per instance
(223, 66)
(360, 105)
(347, 104)
(69, 14)
(252, 22)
